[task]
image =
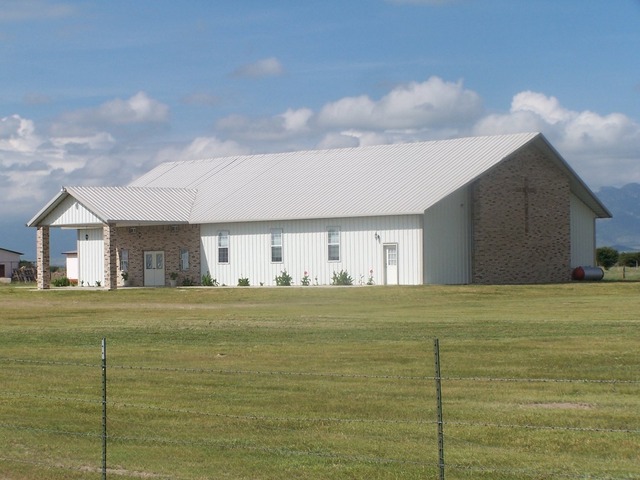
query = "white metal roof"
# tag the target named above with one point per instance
(128, 204)
(378, 180)
(114, 204)
(396, 179)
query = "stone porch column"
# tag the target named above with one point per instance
(43, 258)
(110, 257)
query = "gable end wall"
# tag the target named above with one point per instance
(519, 242)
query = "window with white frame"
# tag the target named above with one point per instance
(124, 260)
(223, 246)
(184, 259)
(333, 244)
(276, 245)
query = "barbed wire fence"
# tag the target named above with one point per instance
(144, 433)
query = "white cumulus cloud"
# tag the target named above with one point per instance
(17, 134)
(573, 130)
(547, 108)
(95, 146)
(603, 148)
(415, 111)
(296, 120)
(338, 140)
(101, 145)
(278, 127)
(432, 103)
(207, 147)
(99, 141)
(140, 108)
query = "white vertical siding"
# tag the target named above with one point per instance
(447, 240)
(583, 234)
(70, 212)
(90, 257)
(305, 249)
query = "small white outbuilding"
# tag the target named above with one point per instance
(496, 209)
(9, 262)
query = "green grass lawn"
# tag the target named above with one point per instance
(322, 382)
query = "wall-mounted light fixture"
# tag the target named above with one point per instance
(86, 236)
(376, 236)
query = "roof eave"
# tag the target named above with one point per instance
(48, 208)
(53, 204)
(11, 251)
(141, 223)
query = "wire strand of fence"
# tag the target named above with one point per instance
(86, 469)
(529, 472)
(290, 452)
(223, 444)
(11, 426)
(47, 465)
(271, 418)
(280, 450)
(326, 374)
(271, 373)
(266, 418)
(219, 415)
(544, 427)
(283, 451)
(244, 445)
(253, 417)
(542, 380)
(51, 397)
(48, 362)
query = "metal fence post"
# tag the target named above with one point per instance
(104, 409)
(436, 351)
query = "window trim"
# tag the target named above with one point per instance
(330, 244)
(276, 246)
(124, 259)
(223, 234)
(183, 259)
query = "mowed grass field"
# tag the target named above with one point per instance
(322, 382)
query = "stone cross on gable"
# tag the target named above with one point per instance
(526, 189)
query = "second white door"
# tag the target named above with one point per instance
(391, 264)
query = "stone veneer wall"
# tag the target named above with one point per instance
(167, 238)
(518, 241)
(43, 258)
(110, 237)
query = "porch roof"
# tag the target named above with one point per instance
(122, 205)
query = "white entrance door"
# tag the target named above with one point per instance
(391, 264)
(153, 269)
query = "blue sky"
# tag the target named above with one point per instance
(97, 93)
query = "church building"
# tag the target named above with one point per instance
(504, 209)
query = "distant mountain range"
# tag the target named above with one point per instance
(621, 232)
